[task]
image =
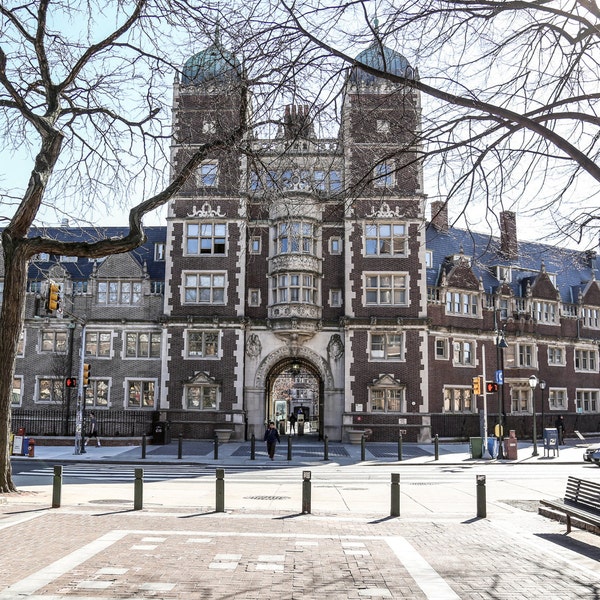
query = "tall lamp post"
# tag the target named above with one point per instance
(533, 382)
(500, 346)
(543, 387)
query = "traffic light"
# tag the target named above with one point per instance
(86, 374)
(477, 385)
(53, 298)
(71, 382)
(491, 386)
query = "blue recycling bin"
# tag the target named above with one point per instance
(493, 447)
(25, 448)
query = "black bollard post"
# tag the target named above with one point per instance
(400, 447)
(362, 447)
(306, 492)
(326, 448)
(180, 447)
(220, 491)
(57, 486)
(481, 503)
(138, 490)
(253, 447)
(395, 495)
(436, 445)
(289, 448)
(144, 446)
(216, 444)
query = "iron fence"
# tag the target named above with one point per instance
(57, 422)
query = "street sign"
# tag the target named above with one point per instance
(499, 377)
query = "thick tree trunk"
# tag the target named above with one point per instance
(15, 285)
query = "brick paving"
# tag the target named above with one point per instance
(80, 553)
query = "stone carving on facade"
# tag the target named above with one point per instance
(385, 212)
(296, 263)
(335, 348)
(253, 346)
(206, 211)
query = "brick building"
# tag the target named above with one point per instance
(299, 274)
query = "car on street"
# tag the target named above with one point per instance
(592, 453)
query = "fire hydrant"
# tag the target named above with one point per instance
(31, 448)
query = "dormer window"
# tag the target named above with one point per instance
(503, 273)
(462, 303)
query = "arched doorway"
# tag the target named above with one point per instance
(294, 387)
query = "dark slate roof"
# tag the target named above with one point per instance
(82, 269)
(572, 268)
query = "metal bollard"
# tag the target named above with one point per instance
(481, 504)
(220, 491)
(436, 445)
(253, 447)
(180, 446)
(395, 495)
(144, 446)
(362, 447)
(138, 490)
(216, 444)
(306, 492)
(400, 447)
(57, 486)
(326, 448)
(289, 448)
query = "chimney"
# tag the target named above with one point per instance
(509, 247)
(297, 122)
(439, 215)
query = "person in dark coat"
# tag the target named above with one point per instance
(560, 426)
(292, 419)
(272, 438)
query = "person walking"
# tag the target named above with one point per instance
(93, 430)
(272, 438)
(292, 419)
(560, 426)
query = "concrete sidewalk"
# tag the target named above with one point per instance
(303, 452)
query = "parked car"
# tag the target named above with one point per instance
(596, 457)
(589, 452)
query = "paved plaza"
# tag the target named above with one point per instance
(96, 547)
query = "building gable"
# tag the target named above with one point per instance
(120, 266)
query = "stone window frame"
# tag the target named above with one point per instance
(152, 335)
(96, 345)
(386, 392)
(93, 398)
(385, 345)
(369, 287)
(208, 241)
(204, 333)
(465, 397)
(214, 286)
(143, 381)
(376, 239)
(114, 292)
(213, 389)
(51, 336)
(593, 402)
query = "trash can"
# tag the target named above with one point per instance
(476, 446)
(511, 446)
(161, 433)
(493, 447)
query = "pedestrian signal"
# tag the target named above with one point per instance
(477, 385)
(71, 382)
(491, 386)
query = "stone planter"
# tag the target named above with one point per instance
(223, 435)
(355, 435)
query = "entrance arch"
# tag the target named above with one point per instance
(294, 387)
(313, 365)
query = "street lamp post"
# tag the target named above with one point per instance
(500, 346)
(533, 382)
(543, 387)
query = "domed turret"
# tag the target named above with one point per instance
(214, 64)
(383, 59)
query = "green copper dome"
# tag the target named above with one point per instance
(215, 64)
(383, 59)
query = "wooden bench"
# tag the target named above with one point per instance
(581, 504)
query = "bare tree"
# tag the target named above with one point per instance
(88, 107)
(510, 100)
